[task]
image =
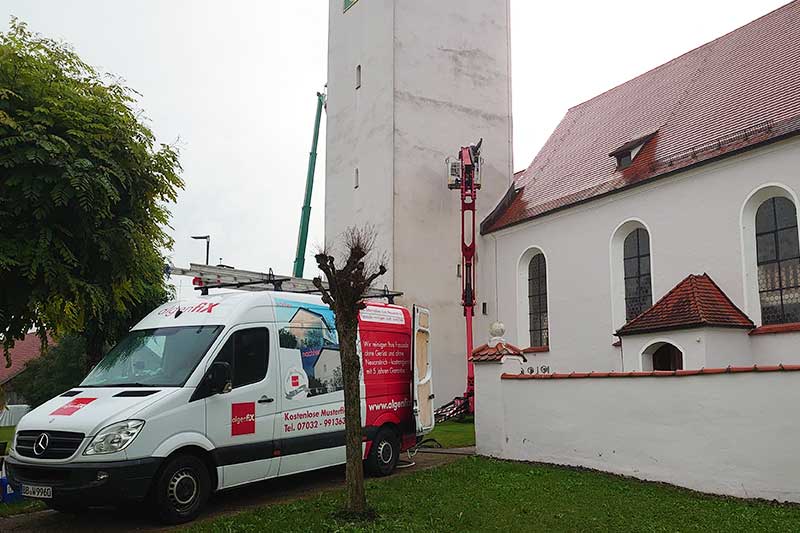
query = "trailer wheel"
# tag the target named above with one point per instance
(181, 489)
(384, 453)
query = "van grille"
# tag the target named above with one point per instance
(37, 474)
(62, 444)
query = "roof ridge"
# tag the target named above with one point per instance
(646, 311)
(696, 298)
(727, 298)
(695, 49)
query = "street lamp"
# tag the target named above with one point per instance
(206, 238)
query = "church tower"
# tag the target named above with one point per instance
(409, 83)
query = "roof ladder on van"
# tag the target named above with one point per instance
(207, 277)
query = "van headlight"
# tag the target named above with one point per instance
(114, 438)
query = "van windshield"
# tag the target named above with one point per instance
(161, 357)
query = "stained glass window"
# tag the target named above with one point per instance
(537, 301)
(778, 259)
(638, 287)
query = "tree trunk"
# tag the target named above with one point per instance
(351, 366)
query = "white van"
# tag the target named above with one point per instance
(218, 391)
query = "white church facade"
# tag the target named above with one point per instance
(409, 83)
(648, 274)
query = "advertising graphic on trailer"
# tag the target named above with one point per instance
(310, 329)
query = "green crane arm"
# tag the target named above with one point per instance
(305, 213)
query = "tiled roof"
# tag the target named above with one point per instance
(485, 353)
(694, 302)
(23, 351)
(658, 373)
(735, 92)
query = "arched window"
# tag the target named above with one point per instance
(537, 301)
(668, 357)
(778, 260)
(662, 356)
(638, 288)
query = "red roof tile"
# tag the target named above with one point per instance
(735, 92)
(658, 373)
(485, 353)
(23, 351)
(776, 328)
(694, 302)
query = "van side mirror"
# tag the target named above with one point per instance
(219, 378)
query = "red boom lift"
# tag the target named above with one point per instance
(465, 175)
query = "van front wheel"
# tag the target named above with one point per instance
(384, 453)
(181, 490)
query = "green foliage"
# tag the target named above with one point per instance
(59, 369)
(83, 196)
(478, 494)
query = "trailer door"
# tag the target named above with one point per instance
(423, 371)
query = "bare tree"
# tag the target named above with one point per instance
(345, 293)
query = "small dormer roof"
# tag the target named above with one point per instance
(693, 303)
(633, 145)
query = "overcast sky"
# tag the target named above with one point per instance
(235, 81)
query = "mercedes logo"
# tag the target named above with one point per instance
(41, 444)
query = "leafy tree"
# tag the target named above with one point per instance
(83, 196)
(345, 292)
(60, 368)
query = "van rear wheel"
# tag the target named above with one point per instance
(384, 453)
(181, 489)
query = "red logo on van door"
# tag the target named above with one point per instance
(243, 418)
(73, 407)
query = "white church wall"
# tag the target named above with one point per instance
(714, 433)
(360, 133)
(489, 409)
(452, 87)
(435, 77)
(694, 221)
(729, 347)
(774, 349)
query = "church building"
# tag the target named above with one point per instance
(657, 228)
(648, 274)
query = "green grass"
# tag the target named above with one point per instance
(24, 506)
(454, 434)
(6, 434)
(478, 494)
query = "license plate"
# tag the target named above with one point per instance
(32, 491)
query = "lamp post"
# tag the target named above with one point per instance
(206, 238)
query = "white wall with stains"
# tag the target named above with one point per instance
(435, 77)
(731, 434)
